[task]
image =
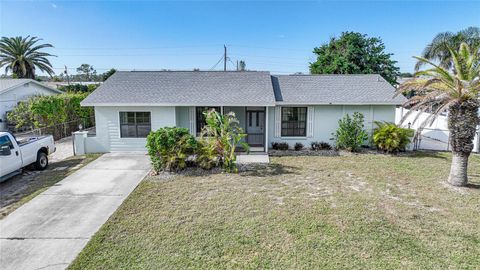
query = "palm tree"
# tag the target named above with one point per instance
(438, 50)
(440, 89)
(22, 56)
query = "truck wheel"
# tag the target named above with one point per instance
(42, 161)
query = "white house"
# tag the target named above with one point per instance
(14, 90)
(270, 108)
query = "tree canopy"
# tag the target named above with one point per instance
(439, 49)
(23, 55)
(355, 53)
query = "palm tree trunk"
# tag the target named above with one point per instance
(458, 170)
(462, 122)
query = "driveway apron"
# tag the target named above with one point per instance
(49, 231)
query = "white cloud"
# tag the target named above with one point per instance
(53, 5)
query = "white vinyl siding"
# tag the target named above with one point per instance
(323, 121)
(278, 122)
(108, 126)
(310, 121)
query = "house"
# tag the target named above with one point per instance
(14, 90)
(270, 108)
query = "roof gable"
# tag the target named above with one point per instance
(10, 84)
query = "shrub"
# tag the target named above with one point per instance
(207, 155)
(298, 146)
(48, 111)
(170, 147)
(316, 146)
(220, 136)
(350, 134)
(391, 138)
(280, 146)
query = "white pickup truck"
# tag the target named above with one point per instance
(14, 155)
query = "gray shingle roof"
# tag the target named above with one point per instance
(207, 88)
(334, 89)
(184, 88)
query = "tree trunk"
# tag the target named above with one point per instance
(462, 122)
(458, 170)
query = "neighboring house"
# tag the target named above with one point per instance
(61, 84)
(270, 108)
(14, 90)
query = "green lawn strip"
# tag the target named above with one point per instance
(45, 179)
(360, 211)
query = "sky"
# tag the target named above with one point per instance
(277, 36)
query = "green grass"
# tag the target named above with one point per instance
(359, 211)
(23, 188)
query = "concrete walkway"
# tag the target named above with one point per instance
(253, 158)
(49, 231)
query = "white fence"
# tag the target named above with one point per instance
(433, 137)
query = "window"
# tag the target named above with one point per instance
(134, 124)
(5, 140)
(294, 121)
(201, 117)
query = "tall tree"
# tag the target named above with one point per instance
(86, 72)
(355, 53)
(242, 66)
(456, 92)
(439, 49)
(22, 55)
(108, 73)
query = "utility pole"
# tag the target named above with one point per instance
(237, 65)
(224, 58)
(66, 73)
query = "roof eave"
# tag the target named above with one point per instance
(100, 104)
(339, 103)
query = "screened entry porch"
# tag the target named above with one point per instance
(251, 119)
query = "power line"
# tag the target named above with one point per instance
(135, 48)
(143, 54)
(218, 62)
(234, 65)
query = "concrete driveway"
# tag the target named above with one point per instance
(49, 231)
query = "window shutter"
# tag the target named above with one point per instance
(310, 116)
(278, 121)
(191, 118)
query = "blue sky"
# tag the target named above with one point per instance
(269, 35)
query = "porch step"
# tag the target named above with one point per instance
(250, 159)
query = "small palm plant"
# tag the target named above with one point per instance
(457, 91)
(223, 133)
(22, 56)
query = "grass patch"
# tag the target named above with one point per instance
(359, 211)
(20, 189)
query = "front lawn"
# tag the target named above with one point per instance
(359, 211)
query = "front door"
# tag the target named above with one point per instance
(255, 128)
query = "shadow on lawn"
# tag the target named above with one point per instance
(473, 181)
(427, 154)
(274, 169)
